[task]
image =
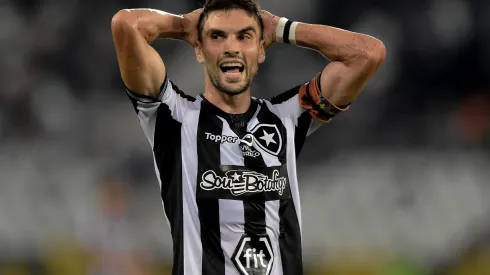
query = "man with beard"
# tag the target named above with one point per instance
(226, 161)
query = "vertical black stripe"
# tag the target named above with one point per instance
(167, 151)
(290, 239)
(290, 234)
(254, 208)
(254, 211)
(301, 131)
(287, 29)
(208, 154)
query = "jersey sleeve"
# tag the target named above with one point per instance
(170, 107)
(306, 108)
(288, 105)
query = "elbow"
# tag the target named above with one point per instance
(368, 53)
(134, 25)
(376, 55)
(123, 23)
(122, 26)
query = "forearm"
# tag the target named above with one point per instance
(151, 24)
(142, 68)
(355, 58)
(338, 44)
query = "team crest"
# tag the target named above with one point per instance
(268, 138)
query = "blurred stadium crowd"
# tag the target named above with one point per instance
(398, 185)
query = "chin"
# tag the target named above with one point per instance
(232, 92)
(232, 89)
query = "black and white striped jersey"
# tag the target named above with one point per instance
(228, 182)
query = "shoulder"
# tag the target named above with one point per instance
(172, 87)
(285, 104)
(284, 96)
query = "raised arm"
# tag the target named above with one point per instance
(142, 68)
(354, 57)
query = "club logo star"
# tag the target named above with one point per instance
(235, 176)
(268, 138)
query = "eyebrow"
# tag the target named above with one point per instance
(247, 29)
(244, 30)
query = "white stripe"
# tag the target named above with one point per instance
(289, 108)
(230, 152)
(147, 110)
(160, 184)
(176, 103)
(291, 165)
(280, 29)
(231, 216)
(253, 121)
(232, 220)
(192, 228)
(273, 230)
(147, 114)
(292, 33)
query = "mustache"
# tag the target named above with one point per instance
(233, 56)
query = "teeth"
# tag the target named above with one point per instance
(231, 65)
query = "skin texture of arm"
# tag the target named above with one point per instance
(142, 69)
(354, 57)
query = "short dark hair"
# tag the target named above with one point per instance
(250, 6)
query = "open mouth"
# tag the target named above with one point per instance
(232, 67)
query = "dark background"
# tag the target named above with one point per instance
(399, 184)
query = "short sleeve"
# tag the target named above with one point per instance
(287, 104)
(171, 105)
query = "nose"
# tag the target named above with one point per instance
(231, 47)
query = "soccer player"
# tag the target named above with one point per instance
(226, 161)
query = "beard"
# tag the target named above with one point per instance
(232, 89)
(222, 87)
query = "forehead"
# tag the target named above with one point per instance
(230, 20)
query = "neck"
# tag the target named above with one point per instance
(231, 104)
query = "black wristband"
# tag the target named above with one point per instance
(287, 28)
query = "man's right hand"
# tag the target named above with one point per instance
(190, 27)
(270, 25)
(142, 68)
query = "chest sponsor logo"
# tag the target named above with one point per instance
(240, 182)
(254, 255)
(264, 136)
(221, 138)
